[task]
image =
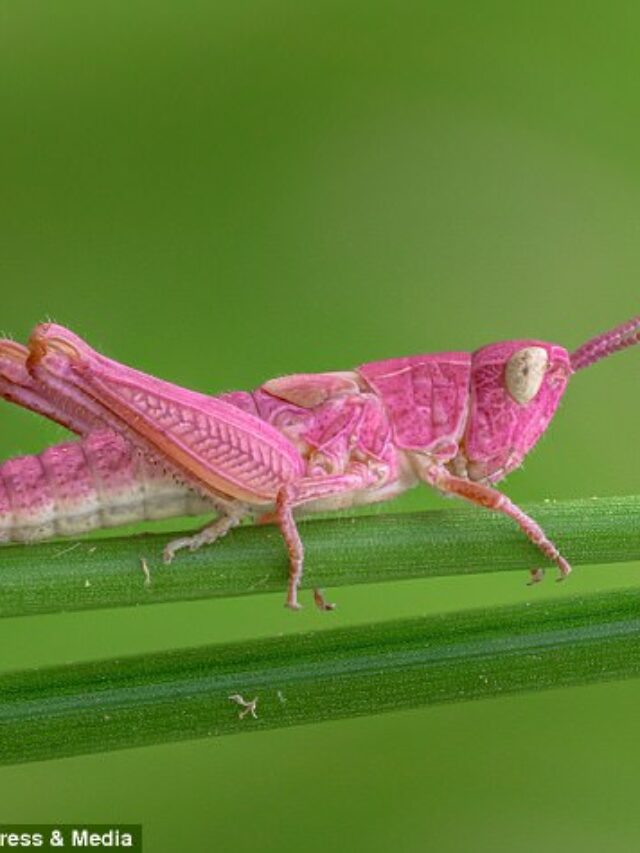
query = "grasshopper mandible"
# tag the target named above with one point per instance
(457, 421)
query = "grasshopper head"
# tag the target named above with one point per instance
(516, 387)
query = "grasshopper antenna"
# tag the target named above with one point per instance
(606, 344)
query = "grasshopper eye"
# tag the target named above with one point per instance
(524, 373)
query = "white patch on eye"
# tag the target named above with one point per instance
(524, 373)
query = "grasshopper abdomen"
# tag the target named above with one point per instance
(73, 488)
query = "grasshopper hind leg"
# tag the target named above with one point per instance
(206, 536)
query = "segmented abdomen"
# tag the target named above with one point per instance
(84, 485)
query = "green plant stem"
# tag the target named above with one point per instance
(60, 576)
(327, 675)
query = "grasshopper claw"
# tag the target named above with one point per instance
(565, 569)
(320, 601)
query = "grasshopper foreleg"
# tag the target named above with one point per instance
(483, 495)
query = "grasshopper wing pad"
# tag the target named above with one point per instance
(425, 395)
(309, 390)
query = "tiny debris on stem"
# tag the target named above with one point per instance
(66, 550)
(145, 570)
(249, 707)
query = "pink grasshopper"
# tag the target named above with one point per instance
(458, 421)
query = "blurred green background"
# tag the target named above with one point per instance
(221, 192)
